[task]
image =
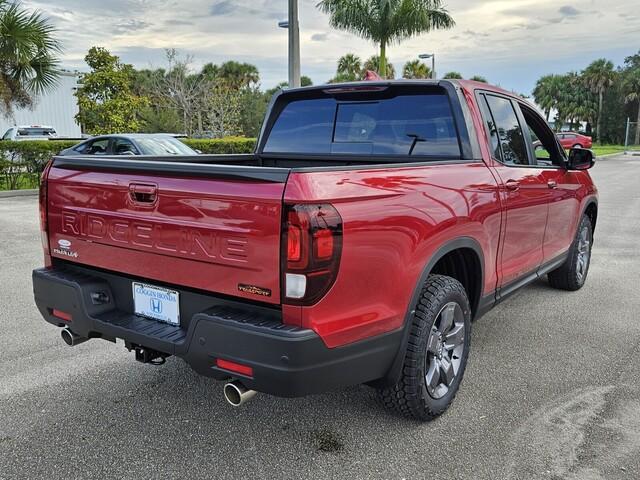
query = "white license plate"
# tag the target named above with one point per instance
(156, 302)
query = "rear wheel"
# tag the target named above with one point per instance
(436, 354)
(572, 274)
(577, 145)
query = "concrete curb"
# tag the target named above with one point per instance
(18, 193)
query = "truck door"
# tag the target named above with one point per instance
(563, 185)
(523, 190)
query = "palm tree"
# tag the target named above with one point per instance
(349, 68)
(479, 78)
(235, 75)
(572, 100)
(416, 69)
(373, 64)
(598, 77)
(545, 93)
(28, 56)
(453, 75)
(386, 21)
(631, 86)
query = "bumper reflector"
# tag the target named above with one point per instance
(61, 315)
(234, 367)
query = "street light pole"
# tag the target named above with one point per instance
(294, 45)
(432, 56)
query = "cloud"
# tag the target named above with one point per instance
(174, 22)
(471, 33)
(492, 37)
(319, 37)
(224, 7)
(569, 11)
(130, 25)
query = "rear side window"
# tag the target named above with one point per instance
(508, 131)
(420, 124)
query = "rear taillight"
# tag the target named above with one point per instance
(42, 200)
(311, 249)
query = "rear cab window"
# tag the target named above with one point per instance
(393, 122)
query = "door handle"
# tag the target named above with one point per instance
(512, 185)
(143, 193)
(552, 184)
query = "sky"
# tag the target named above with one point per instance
(511, 42)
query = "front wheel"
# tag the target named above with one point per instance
(437, 351)
(572, 274)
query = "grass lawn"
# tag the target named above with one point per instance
(24, 181)
(600, 150)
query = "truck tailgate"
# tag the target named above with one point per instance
(212, 232)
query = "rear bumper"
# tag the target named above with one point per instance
(286, 361)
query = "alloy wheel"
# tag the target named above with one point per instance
(445, 347)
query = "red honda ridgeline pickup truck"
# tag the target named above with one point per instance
(372, 224)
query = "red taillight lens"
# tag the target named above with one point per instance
(42, 201)
(323, 243)
(312, 247)
(294, 243)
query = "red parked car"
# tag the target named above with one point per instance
(574, 140)
(372, 224)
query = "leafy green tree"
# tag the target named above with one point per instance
(304, 82)
(237, 75)
(349, 68)
(28, 56)
(106, 99)
(479, 78)
(545, 93)
(416, 69)
(373, 64)
(223, 110)
(386, 21)
(253, 108)
(631, 89)
(598, 77)
(453, 75)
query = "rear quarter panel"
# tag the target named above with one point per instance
(394, 220)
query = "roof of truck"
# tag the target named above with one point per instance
(466, 84)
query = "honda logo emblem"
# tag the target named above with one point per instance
(156, 305)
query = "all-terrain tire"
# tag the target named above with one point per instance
(410, 395)
(572, 274)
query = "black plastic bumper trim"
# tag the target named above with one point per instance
(287, 361)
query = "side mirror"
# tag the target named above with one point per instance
(581, 159)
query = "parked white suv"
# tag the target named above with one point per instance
(30, 132)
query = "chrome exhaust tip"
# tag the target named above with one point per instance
(71, 338)
(237, 394)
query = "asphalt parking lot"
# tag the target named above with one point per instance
(552, 389)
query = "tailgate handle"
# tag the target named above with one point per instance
(143, 193)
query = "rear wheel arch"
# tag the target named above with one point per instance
(448, 258)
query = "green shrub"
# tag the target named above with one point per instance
(22, 162)
(228, 145)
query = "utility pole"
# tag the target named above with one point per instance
(294, 45)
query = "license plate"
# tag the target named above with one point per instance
(156, 302)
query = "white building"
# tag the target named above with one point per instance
(57, 108)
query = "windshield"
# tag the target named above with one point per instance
(419, 124)
(163, 146)
(36, 132)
